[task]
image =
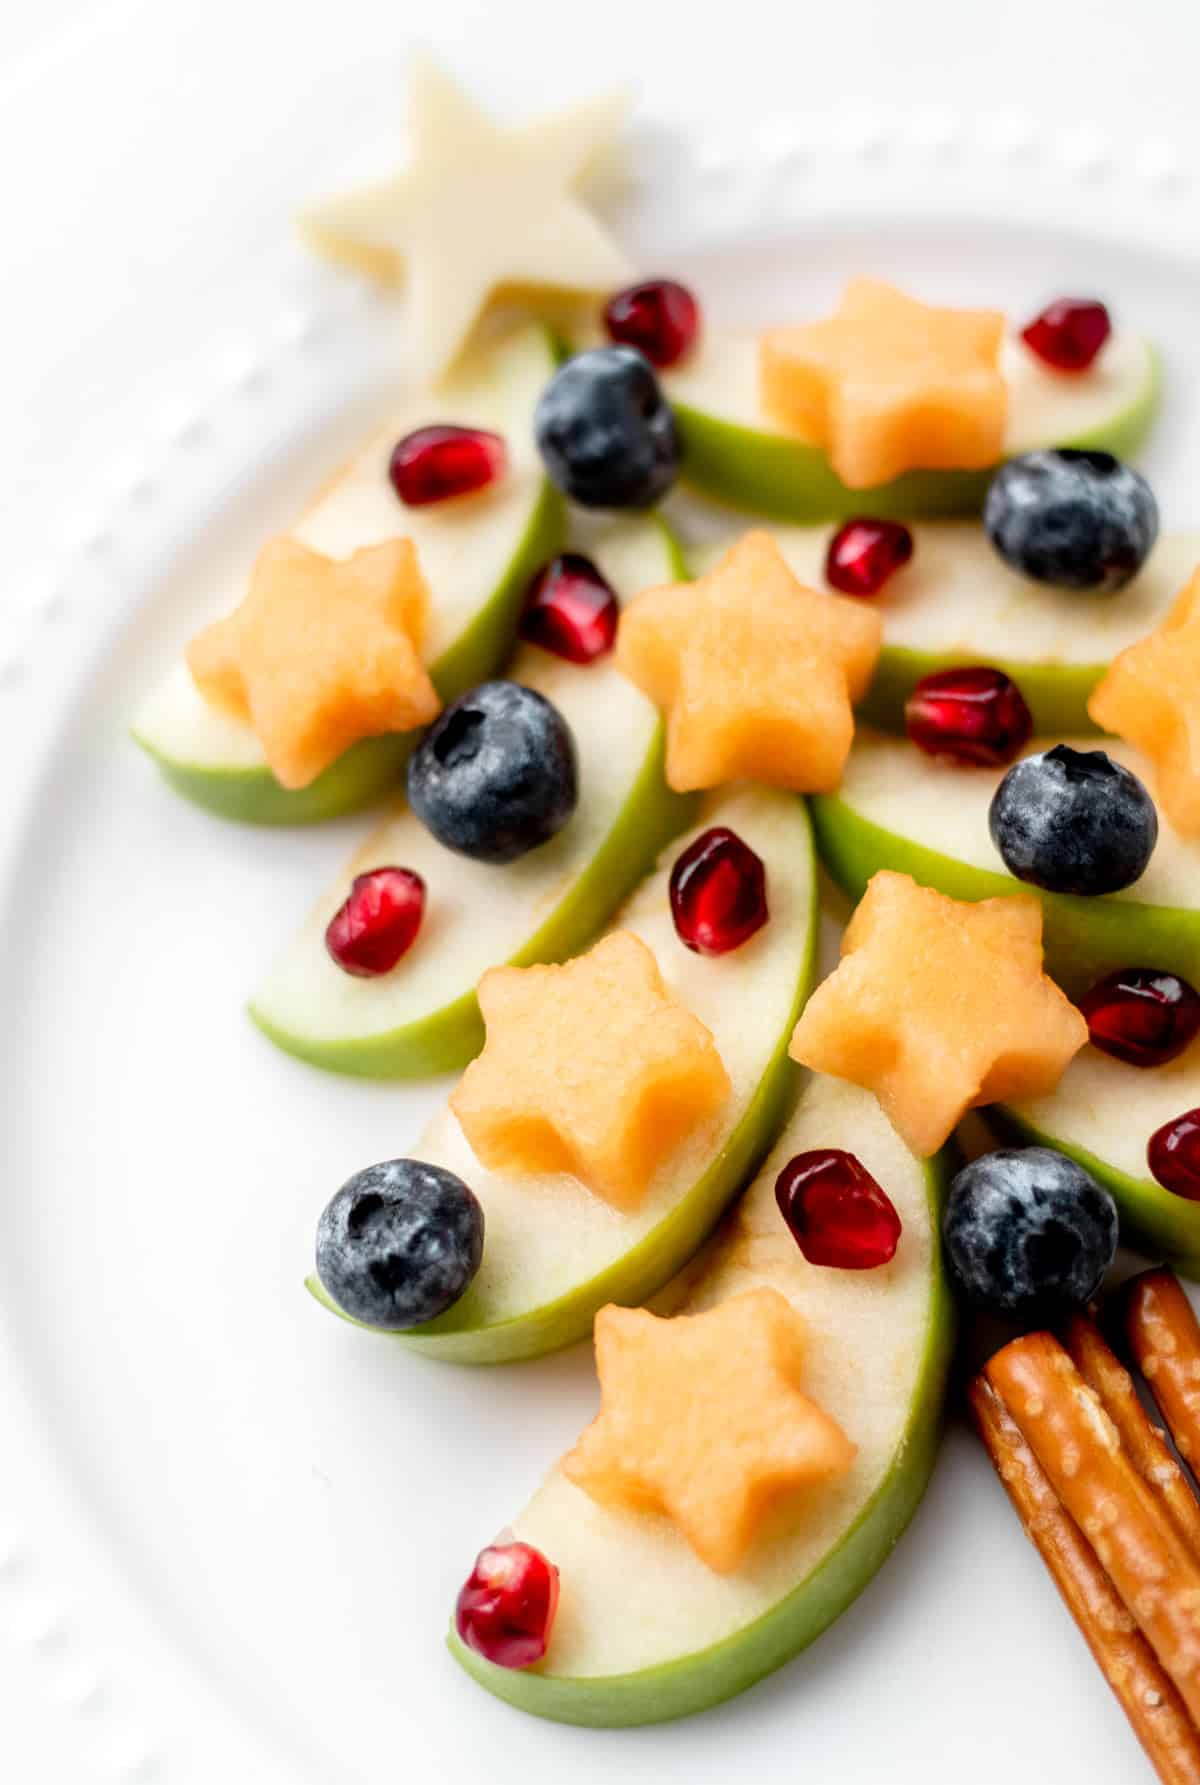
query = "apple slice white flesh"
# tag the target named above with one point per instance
(1103, 1114)
(477, 555)
(553, 1252)
(734, 450)
(898, 808)
(647, 1632)
(423, 1017)
(957, 602)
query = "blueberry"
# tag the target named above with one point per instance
(495, 775)
(1028, 1233)
(1073, 821)
(1080, 520)
(399, 1243)
(605, 431)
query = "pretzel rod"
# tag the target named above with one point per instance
(1154, 1708)
(1164, 1336)
(1148, 1449)
(1135, 1540)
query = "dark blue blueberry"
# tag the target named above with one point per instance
(1073, 821)
(1080, 520)
(496, 774)
(399, 1243)
(1028, 1233)
(605, 431)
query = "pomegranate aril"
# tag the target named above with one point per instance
(570, 610)
(1069, 333)
(1142, 1016)
(377, 923)
(718, 893)
(864, 553)
(438, 463)
(975, 715)
(659, 317)
(505, 1609)
(836, 1212)
(1173, 1155)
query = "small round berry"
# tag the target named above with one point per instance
(1028, 1233)
(495, 775)
(1069, 333)
(975, 715)
(659, 317)
(836, 1212)
(1142, 1016)
(506, 1608)
(1073, 821)
(605, 431)
(571, 610)
(864, 553)
(718, 893)
(377, 923)
(1173, 1155)
(1078, 520)
(399, 1243)
(436, 464)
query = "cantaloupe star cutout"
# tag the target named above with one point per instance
(480, 210)
(702, 1418)
(593, 1068)
(889, 385)
(1151, 697)
(322, 652)
(938, 1006)
(755, 672)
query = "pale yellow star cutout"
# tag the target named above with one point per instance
(481, 210)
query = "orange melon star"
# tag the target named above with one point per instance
(938, 1006)
(1151, 697)
(703, 1419)
(756, 672)
(321, 652)
(889, 385)
(592, 1068)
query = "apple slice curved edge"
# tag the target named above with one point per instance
(423, 1017)
(736, 453)
(646, 1632)
(553, 1253)
(477, 554)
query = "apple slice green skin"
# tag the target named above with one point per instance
(708, 1676)
(465, 1334)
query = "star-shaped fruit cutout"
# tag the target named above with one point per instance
(938, 1006)
(321, 652)
(702, 1418)
(592, 1068)
(889, 384)
(1151, 697)
(755, 672)
(481, 210)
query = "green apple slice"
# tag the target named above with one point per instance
(645, 1630)
(554, 1253)
(898, 808)
(733, 450)
(423, 1016)
(1103, 1114)
(477, 555)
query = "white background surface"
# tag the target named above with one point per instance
(147, 152)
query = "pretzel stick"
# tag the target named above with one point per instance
(1135, 1540)
(1164, 1336)
(1154, 1708)
(1148, 1450)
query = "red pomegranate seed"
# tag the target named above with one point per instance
(377, 923)
(659, 317)
(435, 464)
(1069, 333)
(1142, 1016)
(570, 610)
(1173, 1154)
(864, 553)
(973, 715)
(836, 1212)
(718, 893)
(505, 1612)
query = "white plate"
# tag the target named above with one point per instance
(231, 1529)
